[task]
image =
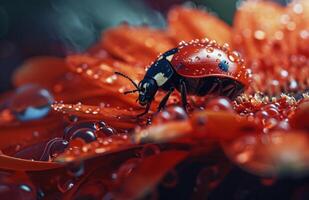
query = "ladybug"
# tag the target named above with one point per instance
(200, 67)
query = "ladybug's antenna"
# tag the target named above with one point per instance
(131, 91)
(125, 76)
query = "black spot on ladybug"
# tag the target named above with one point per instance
(224, 66)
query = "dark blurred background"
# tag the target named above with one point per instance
(57, 27)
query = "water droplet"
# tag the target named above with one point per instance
(85, 134)
(213, 43)
(104, 129)
(284, 73)
(79, 126)
(126, 168)
(291, 26)
(293, 85)
(65, 185)
(31, 102)
(259, 35)
(225, 47)
(54, 146)
(111, 79)
(304, 34)
(209, 49)
(279, 35)
(171, 113)
(25, 188)
(298, 8)
(76, 169)
(220, 103)
(233, 56)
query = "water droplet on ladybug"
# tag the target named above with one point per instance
(209, 49)
(226, 47)
(233, 56)
(30, 102)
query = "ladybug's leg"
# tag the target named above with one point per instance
(145, 111)
(183, 91)
(165, 98)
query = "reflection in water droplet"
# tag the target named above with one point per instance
(298, 8)
(54, 146)
(76, 169)
(259, 35)
(171, 113)
(233, 56)
(209, 49)
(31, 102)
(85, 134)
(65, 185)
(25, 188)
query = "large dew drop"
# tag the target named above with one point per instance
(30, 102)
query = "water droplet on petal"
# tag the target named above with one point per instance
(85, 134)
(76, 169)
(298, 8)
(25, 188)
(171, 113)
(259, 35)
(53, 147)
(65, 185)
(31, 102)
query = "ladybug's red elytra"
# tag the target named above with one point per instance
(199, 67)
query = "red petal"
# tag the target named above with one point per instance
(273, 154)
(146, 176)
(138, 45)
(188, 24)
(258, 31)
(299, 12)
(22, 134)
(118, 118)
(16, 164)
(40, 70)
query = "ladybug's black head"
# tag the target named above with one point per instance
(147, 89)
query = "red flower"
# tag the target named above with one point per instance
(99, 148)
